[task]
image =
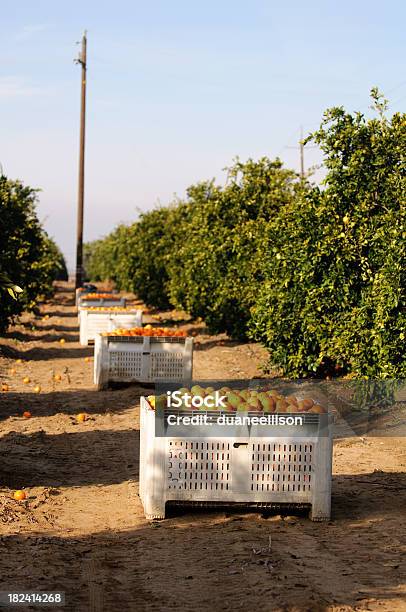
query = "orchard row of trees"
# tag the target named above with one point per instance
(29, 259)
(317, 274)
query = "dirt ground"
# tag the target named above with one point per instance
(82, 528)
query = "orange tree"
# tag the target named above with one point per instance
(107, 258)
(203, 254)
(216, 272)
(152, 244)
(27, 255)
(333, 299)
(136, 256)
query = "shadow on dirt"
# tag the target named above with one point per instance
(44, 354)
(205, 345)
(38, 337)
(71, 402)
(208, 560)
(57, 328)
(364, 495)
(67, 459)
(61, 314)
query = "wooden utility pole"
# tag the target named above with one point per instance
(81, 182)
(302, 171)
(301, 149)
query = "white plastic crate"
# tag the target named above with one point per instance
(81, 292)
(141, 359)
(84, 302)
(93, 322)
(246, 470)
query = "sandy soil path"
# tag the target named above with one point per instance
(82, 529)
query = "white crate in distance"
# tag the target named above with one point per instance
(85, 302)
(145, 359)
(82, 291)
(93, 322)
(256, 471)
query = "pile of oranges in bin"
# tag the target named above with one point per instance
(148, 330)
(240, 400)
(125, 309)
(101, 296)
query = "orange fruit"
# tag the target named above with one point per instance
(12, 371)
(87, 359)
(19, 495)
(81, 417)
(27, 414)
(57, 377)
(4, 387)
(26, 380)
(282, 406)
(37, 389)
(19, 361)
(305, 405)
(317, 409)
(62, 341)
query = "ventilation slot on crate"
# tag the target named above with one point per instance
(166, 365)
(125, 364)
(199, 466)
(281, 467)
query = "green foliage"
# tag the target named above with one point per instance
(136, 257)
(316, 274)
(53, 260)
(7, 285)
(202, 255)
(217, 270)
(92, 263)
(100, 258)
(334, 296)
(27, 255)
(154, 243)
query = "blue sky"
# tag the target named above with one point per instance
(176, 90)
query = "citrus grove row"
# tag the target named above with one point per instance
(314, 273)
(29, 259)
